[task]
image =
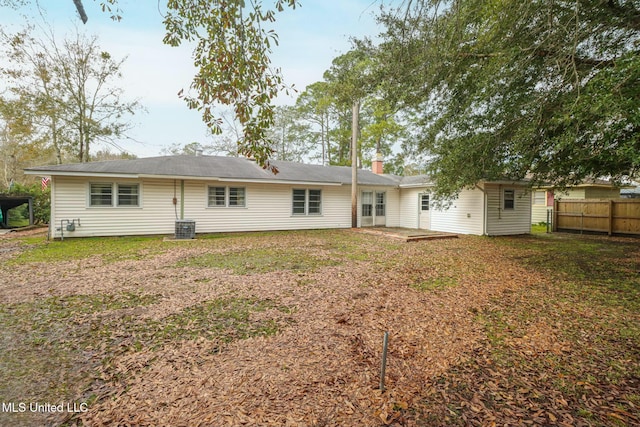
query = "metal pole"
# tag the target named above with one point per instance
(383, 368)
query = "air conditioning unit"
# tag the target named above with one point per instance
(185, 229)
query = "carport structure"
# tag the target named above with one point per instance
(10, 202)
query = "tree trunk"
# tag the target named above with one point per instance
(354, 164)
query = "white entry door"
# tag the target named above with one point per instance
(381, 209)
(424, 220)
(374, 208)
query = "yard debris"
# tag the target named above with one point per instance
(446, 366)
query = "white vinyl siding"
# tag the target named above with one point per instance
(268, 207)
(502, 221)
(154, 215)
(465, 214)
(409, 207)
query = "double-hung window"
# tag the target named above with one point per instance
(509, 199)
(107, 194)
(128, 194)
(540, 197)
(306, 202)
(226, 197)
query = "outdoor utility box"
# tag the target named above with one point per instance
(185, 229)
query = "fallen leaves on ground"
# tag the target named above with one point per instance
(322, 367)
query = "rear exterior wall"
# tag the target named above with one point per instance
(268, 207)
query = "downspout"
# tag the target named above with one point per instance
(182, 199)
(484, 209)
(52, 189)
(419, 211)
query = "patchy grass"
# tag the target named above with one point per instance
(323, 248)
(434, 284)
(111, 249)
(259, 260)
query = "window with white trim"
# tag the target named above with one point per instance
(106, 194)
(509, 199)
(128, 194)
(226, 197)
(424, 202)
(101, 194)
(306, 202)
(540, 197)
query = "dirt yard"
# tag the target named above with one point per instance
(286, 329)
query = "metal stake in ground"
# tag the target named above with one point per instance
(383, 368)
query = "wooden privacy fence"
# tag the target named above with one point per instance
(611, 216)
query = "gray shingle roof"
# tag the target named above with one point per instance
(210, 167)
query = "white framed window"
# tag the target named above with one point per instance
(509, 199)
(540, 197)
(128, 194)
(100, 194)
(424, 202)
(109, 194)
(315, 202)
(226, 197)
(217, 196)
(306, 202)
(236, 197)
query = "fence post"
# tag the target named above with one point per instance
(610, 217)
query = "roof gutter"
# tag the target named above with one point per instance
(42, 172)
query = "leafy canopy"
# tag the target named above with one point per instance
(509, 89)
(232, 56)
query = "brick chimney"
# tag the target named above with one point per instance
(376, 164)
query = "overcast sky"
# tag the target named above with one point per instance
(310, 37)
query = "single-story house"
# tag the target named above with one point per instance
(631, 192)
(222, 194)
(544, 196)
